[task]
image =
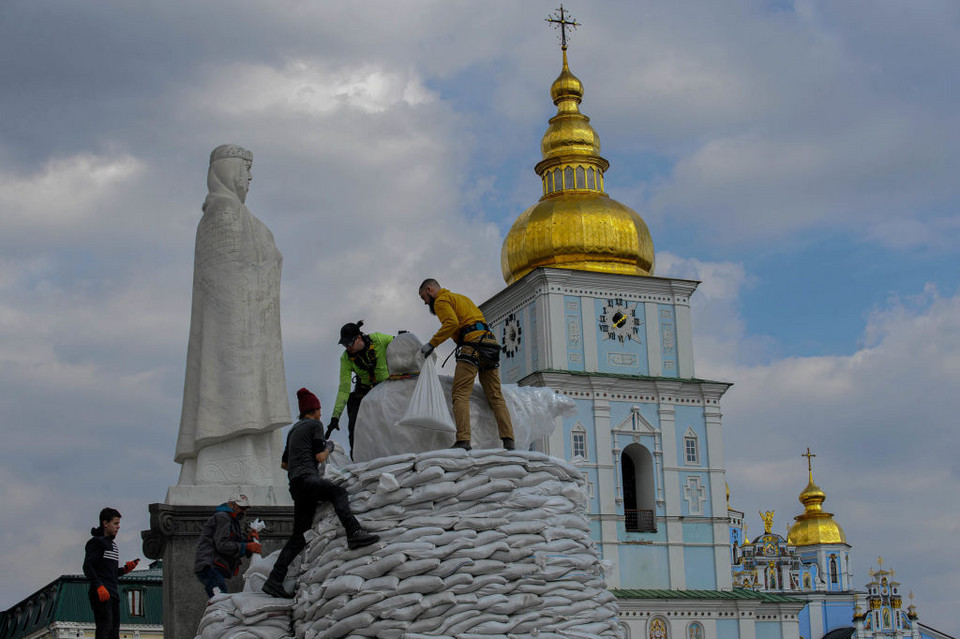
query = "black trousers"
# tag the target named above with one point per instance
(353, 407)
(306, 493)
(106, 615)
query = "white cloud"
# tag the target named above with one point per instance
(311, 87)
(881, 422)
(68, 194)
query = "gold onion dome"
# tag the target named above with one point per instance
(575, 225)
(814, 526)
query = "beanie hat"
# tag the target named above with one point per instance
(349, 332)
(307, 401)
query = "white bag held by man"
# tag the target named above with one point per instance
(428, 406)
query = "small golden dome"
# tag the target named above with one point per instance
(814, 526)
(575, 225)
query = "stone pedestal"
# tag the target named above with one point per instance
(173, 535)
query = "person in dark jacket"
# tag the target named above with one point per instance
(306, 447)
(222, 545)
(101, 565)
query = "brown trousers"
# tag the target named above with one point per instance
(463, 378)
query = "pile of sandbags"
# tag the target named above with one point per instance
(533, 410)
(251, 614)
(473, 544)
(246, 615)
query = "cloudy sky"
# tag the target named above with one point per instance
(800, 158)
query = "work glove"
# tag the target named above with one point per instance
(130, 565)
(103, 594)
(332, 426)
(426, 349)
(253, 547)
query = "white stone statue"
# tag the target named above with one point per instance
(235, 393)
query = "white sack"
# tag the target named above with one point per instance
(428, 407)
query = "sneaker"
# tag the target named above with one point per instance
(508, 443)
(276, 590)
(360, 538)
(462, 443)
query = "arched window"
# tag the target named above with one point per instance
(695, 631)
(581, 178)
(579, 442)
(591, 178)
(639, 501)
(557, 181)
(834, 577)
(691, 448)
(658, 628)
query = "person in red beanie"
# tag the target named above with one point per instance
(307, 447)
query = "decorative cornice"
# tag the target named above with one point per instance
(169, 522)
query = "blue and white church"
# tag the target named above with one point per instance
(583, 313)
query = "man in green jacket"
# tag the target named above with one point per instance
(366, 357)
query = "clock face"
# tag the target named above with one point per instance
(512, 336)
(619, 321)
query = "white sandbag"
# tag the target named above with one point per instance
(416, 567)
(346, 626)
(403, 354)
(343, 584)
(428, 405)
(387, 483)
(423, 584)
(358, 604)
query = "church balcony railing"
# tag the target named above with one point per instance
(640, 521)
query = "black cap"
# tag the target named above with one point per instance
(349, 332)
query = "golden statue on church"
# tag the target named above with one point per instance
(767, 518)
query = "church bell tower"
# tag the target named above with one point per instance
(584, 314)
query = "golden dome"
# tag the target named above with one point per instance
(814, 526)
(575, 225)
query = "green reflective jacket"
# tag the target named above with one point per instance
(374, 357)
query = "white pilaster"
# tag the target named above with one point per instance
(651, 321)
(555, 355)
(671, 488)
(684, 342)
(588, 318)
(606, 490)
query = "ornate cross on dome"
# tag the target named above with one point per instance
(809, 456)
(559, 19)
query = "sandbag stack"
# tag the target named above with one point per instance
(475, 545)
(246, 615)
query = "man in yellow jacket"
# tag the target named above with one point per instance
(478, 352)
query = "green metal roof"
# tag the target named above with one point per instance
(736, 593)
(65, 599)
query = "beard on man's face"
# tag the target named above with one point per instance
(432, 300)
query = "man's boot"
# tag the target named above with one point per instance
(275, 589)
(462, 443)
(357, 537)
(508, 443)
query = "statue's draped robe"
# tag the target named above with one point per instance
(234, 396)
